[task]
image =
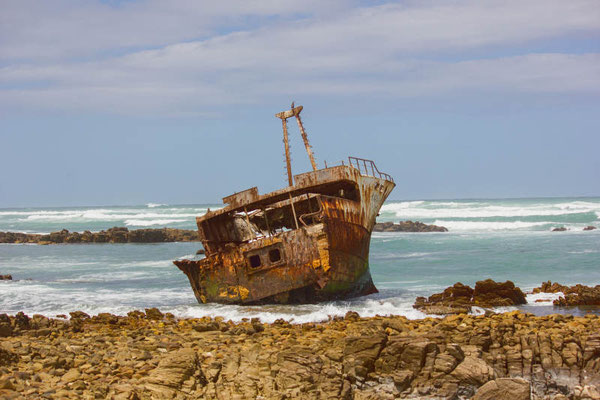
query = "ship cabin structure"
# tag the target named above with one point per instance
(307, 242)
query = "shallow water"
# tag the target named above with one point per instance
(499, 239)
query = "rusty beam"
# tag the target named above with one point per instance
(306, 144)
(286, 144)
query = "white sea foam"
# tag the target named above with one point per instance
(542, 299)
(393, 256)
(153, 205)
(430, 210)
(143, 222)
(303, 314)
(585, 251)
(487, 225)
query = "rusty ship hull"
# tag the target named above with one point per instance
(308, 242)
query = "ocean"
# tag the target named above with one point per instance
(499, 239)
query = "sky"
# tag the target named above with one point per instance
(130, 102)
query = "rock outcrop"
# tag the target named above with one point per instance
(5, 277)
(502, 356)
(407, 226)
(112, 235)
(460, 298)
(577, 295)
(559, 229)
(589, 228)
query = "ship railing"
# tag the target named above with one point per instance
(368, 167)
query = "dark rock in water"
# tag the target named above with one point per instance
(589, 228)
(5, 277)
(489, 293)
(201, 251)
(407, 226)
(460, 298)
(578, 295)
(560, 229)
(112, 235)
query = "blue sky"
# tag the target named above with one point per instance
(148, 101)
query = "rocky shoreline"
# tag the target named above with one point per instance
(112, 235)
(148, 355)
(407, 226)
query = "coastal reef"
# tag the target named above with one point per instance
(151, 355)
(577, 295)
(461, 298)
(112, 235)
(407, 226)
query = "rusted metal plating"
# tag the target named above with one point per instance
(307, 242)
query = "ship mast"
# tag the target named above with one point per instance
(284, 115)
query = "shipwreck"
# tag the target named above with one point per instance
(305, 243)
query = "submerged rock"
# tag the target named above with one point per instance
(589, 228)
(559, 229)
(407, 226)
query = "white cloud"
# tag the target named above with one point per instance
(393, 51)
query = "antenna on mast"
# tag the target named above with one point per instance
(284, 115)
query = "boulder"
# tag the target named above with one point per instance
(79, 315)
(5, 277)
(559, 229)
(589, 228)
(489, 293)
(154, 314)
(473, 371)
(172, 371)
(456, 299)
(504, 389)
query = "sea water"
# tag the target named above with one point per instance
(499, 239)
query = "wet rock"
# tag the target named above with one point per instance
(6, 277)
(21, 320)
(504, 389)
(456, 299)
(577, 295)
(589, 228)
(154, 314)
(559, 229)
(459, 298)
(407, 226)
(112, 235)
(79, 315)
(137, 314)
(489, 293)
